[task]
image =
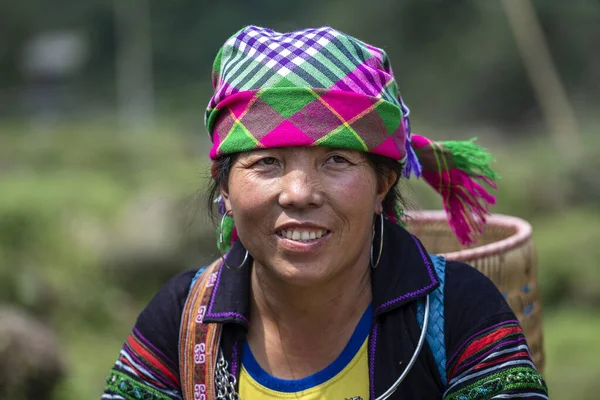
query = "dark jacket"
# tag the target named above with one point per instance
(486, 351)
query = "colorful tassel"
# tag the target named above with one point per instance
(399, 216)
(228, 236)
(471, 158)
(224, 238)
(411, 165)
(457, 170)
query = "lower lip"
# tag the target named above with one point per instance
(302, 247)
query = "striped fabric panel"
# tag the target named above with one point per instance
(121, 385)
(494, 363)
(141, 372)
(307, 117)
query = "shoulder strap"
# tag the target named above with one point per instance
(199, 342)
(435, 330)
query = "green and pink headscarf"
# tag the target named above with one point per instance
(321, 87)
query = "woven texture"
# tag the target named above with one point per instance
(435, 330)
(315, 87)
(505, 254)
(199, 342)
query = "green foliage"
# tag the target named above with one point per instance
(572, 348)
(75, 250)
(441, 51)
(62, 194)
(93, 220)
(568, 250)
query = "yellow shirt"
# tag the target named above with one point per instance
(347, 378)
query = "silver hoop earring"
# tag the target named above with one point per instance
(375, 264)
(228, 213)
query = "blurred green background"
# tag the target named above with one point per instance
(103, 153)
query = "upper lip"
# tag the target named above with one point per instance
(299, 225)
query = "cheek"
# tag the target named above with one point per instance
(353, 199)
(251, 200)
(355, 192)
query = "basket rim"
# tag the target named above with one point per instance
(521, 227)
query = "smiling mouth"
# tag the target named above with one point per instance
(303, 236)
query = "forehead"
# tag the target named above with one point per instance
(301, 151)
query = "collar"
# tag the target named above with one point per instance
(405, 274)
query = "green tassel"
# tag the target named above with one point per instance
(471, 158)
(400, 215)
(225, 244)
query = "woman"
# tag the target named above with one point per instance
(323, 294)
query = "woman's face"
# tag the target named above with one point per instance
(305, 213)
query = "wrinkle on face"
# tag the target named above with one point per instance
(332, 187)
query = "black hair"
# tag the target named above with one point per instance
(383, 166)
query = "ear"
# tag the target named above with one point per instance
(225, 196)
(385, 183)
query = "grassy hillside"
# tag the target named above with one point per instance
(93, 221)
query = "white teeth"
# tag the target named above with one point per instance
(302, 236)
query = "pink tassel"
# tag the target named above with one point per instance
(234, 236)
(465, 201)
(456, 171)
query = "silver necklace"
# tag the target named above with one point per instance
(225, 382)
(410, 364)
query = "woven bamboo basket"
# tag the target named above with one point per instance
(505, 253)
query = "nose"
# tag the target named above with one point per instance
(300, 189)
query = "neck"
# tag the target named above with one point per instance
(296, 331)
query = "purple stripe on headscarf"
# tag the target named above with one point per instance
(366, 83)
(359, 82)
(250, 42)
(385, 78)
(341, 85)
(370, 78)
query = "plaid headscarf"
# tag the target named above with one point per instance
(322, 87)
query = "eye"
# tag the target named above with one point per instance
(267, 161)
(337, 159)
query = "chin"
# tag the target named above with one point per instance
(302, 274)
